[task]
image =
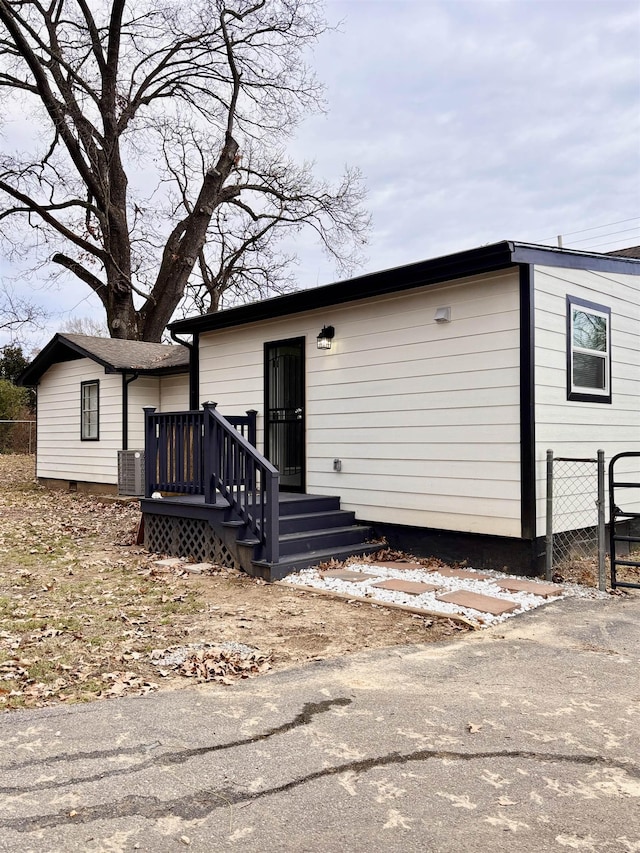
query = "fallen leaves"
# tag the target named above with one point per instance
(79, 612)
(224, 666)
(127, 683)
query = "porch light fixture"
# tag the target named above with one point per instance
(325, 337)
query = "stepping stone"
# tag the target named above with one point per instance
(483, 603)
(542, 589)
(346, 575)
(402, 566)
(411, 587)
(463, 574)
(198, 568)
(169, 563)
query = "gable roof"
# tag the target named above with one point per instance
(488, 258)
(630, 252)
(116, 356)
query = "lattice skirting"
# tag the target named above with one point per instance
(186, 537)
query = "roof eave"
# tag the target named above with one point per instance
(46, 358)
(471, 262)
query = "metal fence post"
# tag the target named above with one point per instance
(601, 533)
(549, 533)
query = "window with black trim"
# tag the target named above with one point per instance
(588, 351)
(90, 410)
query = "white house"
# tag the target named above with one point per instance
(90, 394)
(430, 402)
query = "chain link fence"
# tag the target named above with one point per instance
(575, 513)
(17, 436)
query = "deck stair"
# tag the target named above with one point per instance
(313, 529)
(219, 499)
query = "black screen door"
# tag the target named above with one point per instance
(284, 411)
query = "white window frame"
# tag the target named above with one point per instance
(87, 409)
(584, 393)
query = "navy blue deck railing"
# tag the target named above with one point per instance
(204, 453)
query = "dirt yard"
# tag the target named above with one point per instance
(82, 609)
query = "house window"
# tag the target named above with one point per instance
(588, 351)
(90, 411)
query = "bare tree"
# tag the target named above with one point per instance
(17, 313)
(95, 327)
(158, 167)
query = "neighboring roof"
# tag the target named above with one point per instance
(472, 262)
(116, 356)
(631, 252)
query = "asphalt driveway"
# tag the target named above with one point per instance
(522, 737)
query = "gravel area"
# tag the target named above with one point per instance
(429, 600)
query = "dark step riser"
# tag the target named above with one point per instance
(323, 539)
(316, 521)
(288, 565)
(310, 524)
(305, 504)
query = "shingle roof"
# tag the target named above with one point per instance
(631, 252)
(114, 355)
(130, 355)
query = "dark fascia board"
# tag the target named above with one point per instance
(460, 265)
(525, 253)
(61, 348)
(487, 258)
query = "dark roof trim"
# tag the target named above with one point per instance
(460, 265)
(374, 284)
(551, 257)
(61, 348)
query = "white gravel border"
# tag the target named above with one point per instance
(427, 600)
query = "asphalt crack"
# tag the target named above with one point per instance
(309, 711)
(201, 804)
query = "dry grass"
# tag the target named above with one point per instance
(81, 608)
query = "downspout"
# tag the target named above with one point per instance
(125, 408)
(194, 367)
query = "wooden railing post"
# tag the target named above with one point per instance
(210, 453)
(272, 519)
(150, 450)
(252, 432)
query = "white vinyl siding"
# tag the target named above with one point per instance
(424, 416)
(174, 393)
(166, 393)
(143, 391)
(573, 428)
(61, 452)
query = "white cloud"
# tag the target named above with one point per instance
(475, 121)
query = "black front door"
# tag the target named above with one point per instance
(284, 411)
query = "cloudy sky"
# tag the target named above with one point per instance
(472, 121)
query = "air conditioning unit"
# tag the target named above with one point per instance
(131, 472)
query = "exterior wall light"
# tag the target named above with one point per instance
(325, 337)
(443, 315)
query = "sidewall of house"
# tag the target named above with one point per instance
(423, 416)
(579, 429)
(62, 454)
(143, 391)
(174, 393)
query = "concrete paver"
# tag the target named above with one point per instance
(478, 601)
(522, 737)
